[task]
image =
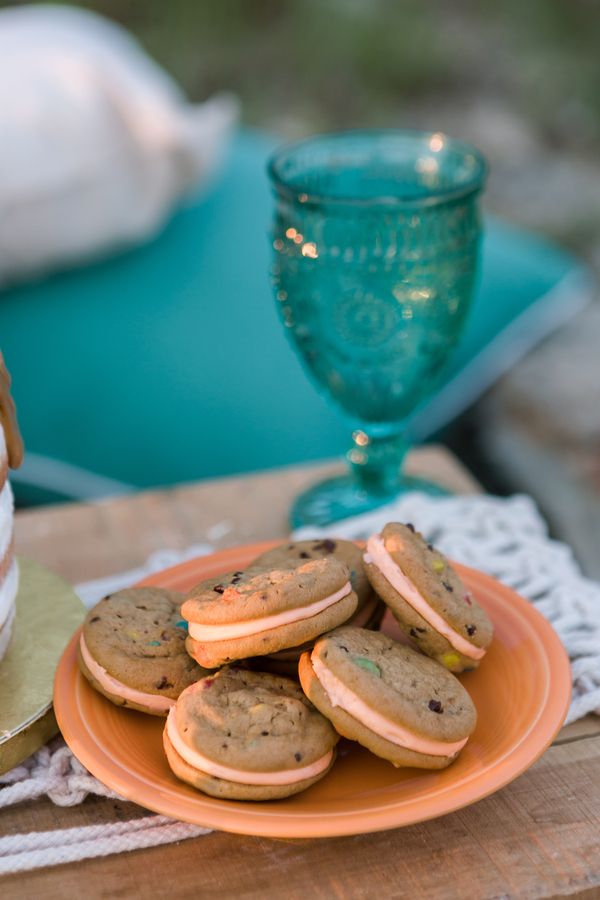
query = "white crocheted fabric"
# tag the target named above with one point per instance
(505, 537)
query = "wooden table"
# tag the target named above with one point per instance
(538, 837)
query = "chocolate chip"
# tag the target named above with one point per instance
(413, 633)
(163, 683)
(327, 545)
(344, 648)
(448, 587)
(430, 547)
(297, 757)
(224, 746)
(95, 619)
(236, 579)
(410, 527)
(219, 588)
(142, 607)
(304, 555)
(164, 636)
(471, 629)
(435, 706)
(264, 733)
(237, 574)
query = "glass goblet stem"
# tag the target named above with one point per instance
(376, 463)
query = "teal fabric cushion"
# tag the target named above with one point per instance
(168, 363)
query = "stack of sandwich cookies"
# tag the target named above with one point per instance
(132, 649)
(264, 610)
(427, 597)
(369, 611)
(248, 736)
(399, 704)
(11, 456)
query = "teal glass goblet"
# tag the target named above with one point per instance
(375, 240)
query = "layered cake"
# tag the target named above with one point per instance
(11, 456)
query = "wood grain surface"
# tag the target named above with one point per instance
(538, 837)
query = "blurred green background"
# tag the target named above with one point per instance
(520, 79)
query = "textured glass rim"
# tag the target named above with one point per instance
(436, 196)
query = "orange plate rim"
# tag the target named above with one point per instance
(73, 698)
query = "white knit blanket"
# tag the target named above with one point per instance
(505, 537)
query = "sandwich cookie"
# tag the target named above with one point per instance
(319, 548)
(132, 649)
(244, 735)
(369, 611)
(263, 610)
(427, 597)
(402, 706)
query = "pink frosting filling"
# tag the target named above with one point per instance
(198, 761)
(110, 684)
(358, 620)
(378, 556)
(340, 695)
(207, 633)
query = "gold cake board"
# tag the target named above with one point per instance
(48, 612)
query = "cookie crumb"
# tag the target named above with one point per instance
(435, 706)
(142, 607)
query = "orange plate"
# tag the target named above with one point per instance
(521, 692)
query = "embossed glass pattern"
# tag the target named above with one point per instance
(375, 243)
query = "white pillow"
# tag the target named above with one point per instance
(96, 141)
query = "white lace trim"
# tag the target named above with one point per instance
(507, 538)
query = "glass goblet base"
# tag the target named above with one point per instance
(344, 496)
